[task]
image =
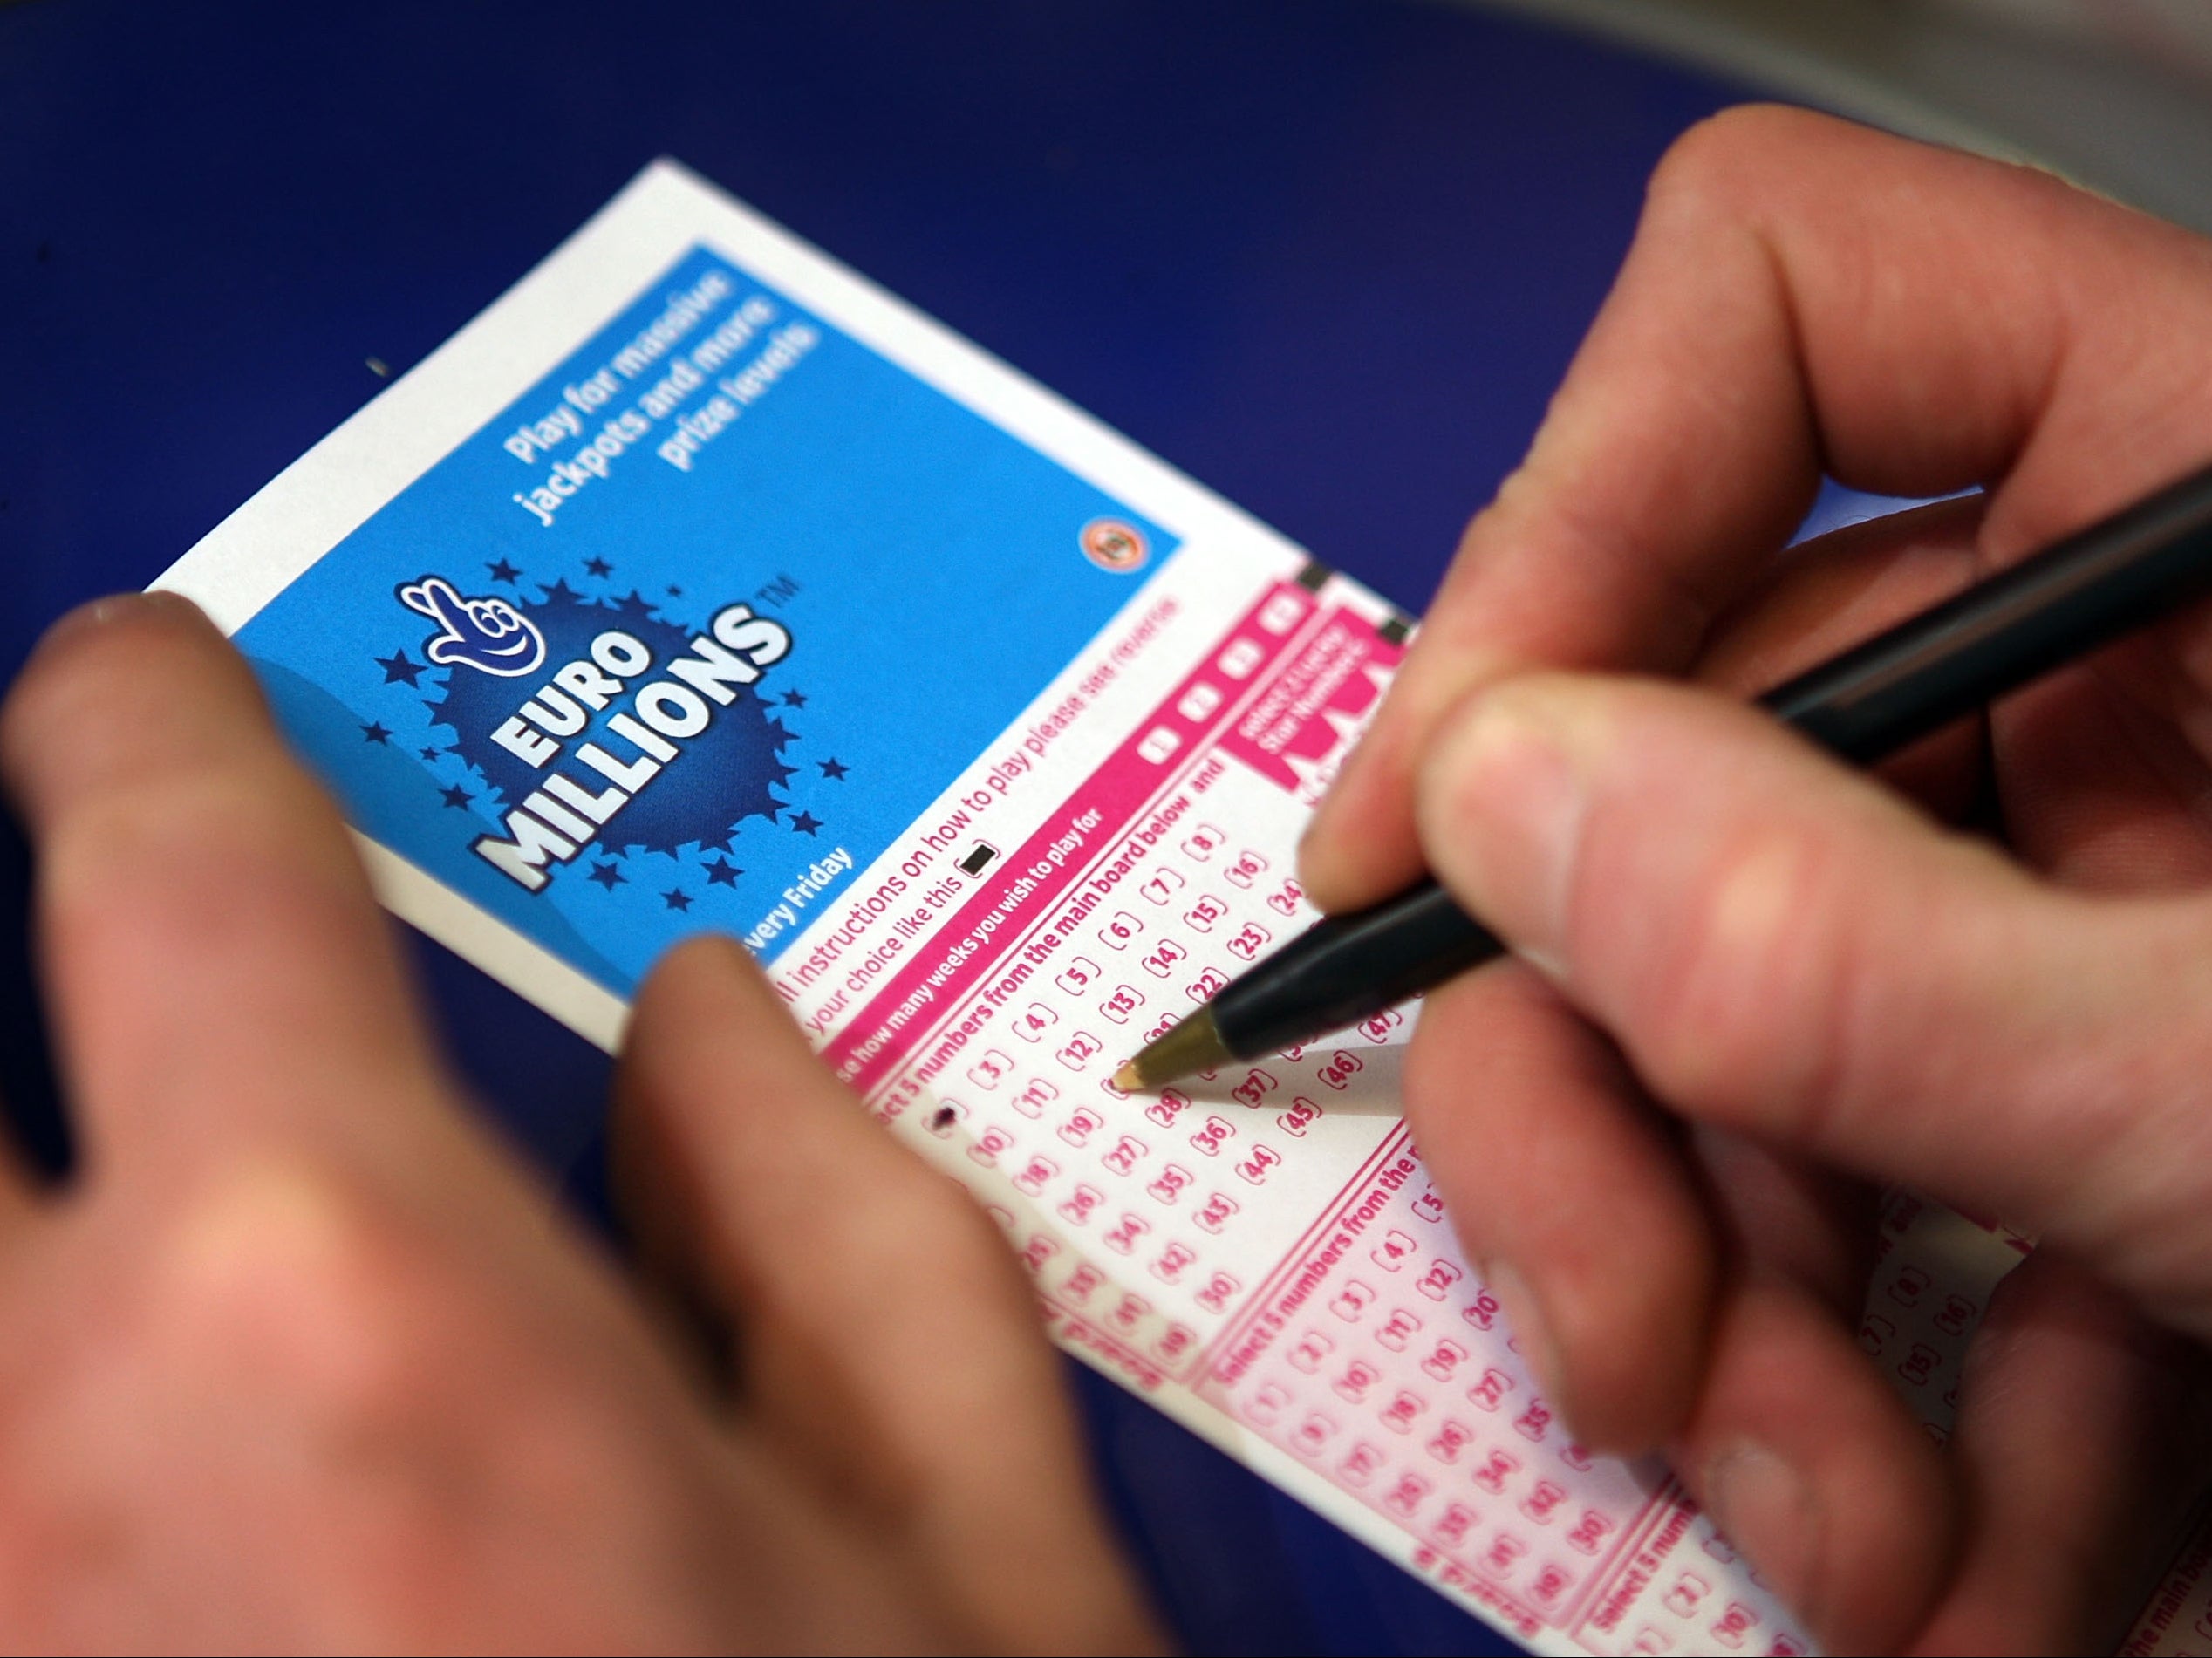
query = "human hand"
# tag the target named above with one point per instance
(1751, 986)
(303, 1359)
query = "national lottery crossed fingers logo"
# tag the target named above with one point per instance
(694, 629)
(485, 633)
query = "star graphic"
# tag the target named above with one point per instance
(674, 591)
(598, 566)
(457, 795)
(562, 593)
(834, 769)
(376, 733)
(607, 875)
(399, 668)
(724, 874)
(434, 754)
(678, 899)
(794, 699)
(806, 823)
(503, 571)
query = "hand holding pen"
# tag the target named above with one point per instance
(1754, 986)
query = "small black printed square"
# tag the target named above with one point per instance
(982, 854)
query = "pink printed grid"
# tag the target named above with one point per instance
(1178, 728)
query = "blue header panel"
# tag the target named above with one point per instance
(692, 631)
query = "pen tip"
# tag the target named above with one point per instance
(1194, 1045)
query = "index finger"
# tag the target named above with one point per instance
(1802, 295)
(215, 962)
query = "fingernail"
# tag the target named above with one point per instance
(1769, 1511)
(1504, 794)
(1526, 1322)
(116, 607)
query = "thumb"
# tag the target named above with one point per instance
(1782, 947)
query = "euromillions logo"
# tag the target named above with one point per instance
(486, 634)
(604, 728)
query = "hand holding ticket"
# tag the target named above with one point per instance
(700, 591)
(303, 1359)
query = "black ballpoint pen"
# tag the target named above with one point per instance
(2056, 606)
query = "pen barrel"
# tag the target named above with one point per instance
(2116, 576)
(1349, 968)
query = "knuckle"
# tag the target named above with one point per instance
(1750, 990)
(335, 1320)
(282, 1281)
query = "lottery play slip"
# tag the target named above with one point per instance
(701, 584)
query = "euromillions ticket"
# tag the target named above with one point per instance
(699, 583)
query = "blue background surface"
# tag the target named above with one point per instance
(1329, 257)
